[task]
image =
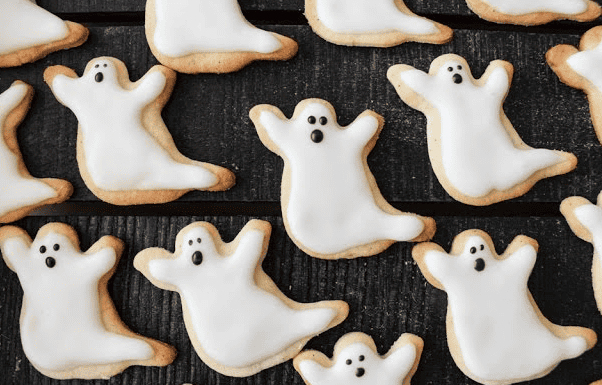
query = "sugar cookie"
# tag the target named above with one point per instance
(69, 325)
(585, 219)
(475, 152)
(238, 320)
(534, 12)
(375, 23)
(356, 361)
(195, 36)
(125, 152)
(331, 205)
(21, 193)
(495, 331)
(581, 69)
(28, 33)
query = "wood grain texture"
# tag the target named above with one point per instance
(387, 295)
(208, 114)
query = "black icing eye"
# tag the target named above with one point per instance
(323, 120)
(96, 66)
(42, 249)
(361, 358)
(460, 68)
(479, 264)
(457, 78)
(99, 77)
(473, 250)
(311, 120)
(190, 242)
(50, 262)
(198, 240)
(360, 372)
(450, 69)
(197, 258)
(348, 362)
(56, 247)
(482, 247)
(317, 136)
(105, 65)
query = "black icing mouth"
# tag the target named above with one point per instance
(457, 78)
(317, 136)
(360, 372)
(99, 77)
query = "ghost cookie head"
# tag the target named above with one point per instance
(103, 71)
(356, 361)
(451, 71)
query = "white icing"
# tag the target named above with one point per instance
(377, 370)
(587, 64)
(120, 153)
(236, 323)
(23, 25)
(370, 16)
(185, 27)
(499, 334)
(590, 216)
(477, 153)
(521, 7)
(331, 207)
(16, 192)
(61, 323)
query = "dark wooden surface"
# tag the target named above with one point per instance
(208, 118)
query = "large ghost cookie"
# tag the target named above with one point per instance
(356, 361)
(495, 331)
(375, 23)
(195, 36)
(125, 153)
(534, 12)
(331, 204)
(20, 192)
(238, 320)
(69, 325)
(475, 152)
(585, 219)
(580, 68)
(28, 33)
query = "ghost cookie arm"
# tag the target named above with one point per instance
(415, 87)
(105, 253)
(584, 218)
(252, 245)
(497, 78)
(519, 258)
(63, 83)
(152, 85)
(402, 361)
(272, 127)
(365, 128)
(312, 366)
(12, 97)
(436, 265)
(14, 245)
(157, 265)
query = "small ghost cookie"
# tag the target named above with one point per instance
(585, 219)
(495, 331)
(580, 68)
(69, 325)
(21, 193)
(356, 361)
(125, 153)
(534, 12)
(475, 152)
(238, 320)
(374, 23)
(331, 204)
(28, 33)
(195, 36)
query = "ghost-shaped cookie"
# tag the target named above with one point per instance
(195, 36)
(475, 152)
(495, 331)
(580, 68)
(28, 33)
(356, 361)
(238, 320)
(331, 204)
(585, 219)
(20, 192)
(534, 12)
(69, 326)
(125, 153)
(374, 23)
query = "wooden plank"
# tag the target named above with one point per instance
(387, 295)
(208, 114)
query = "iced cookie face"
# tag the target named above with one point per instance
(260, 327)
(69, 326)
(497, 333)
(356, 361)
(330, 201)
